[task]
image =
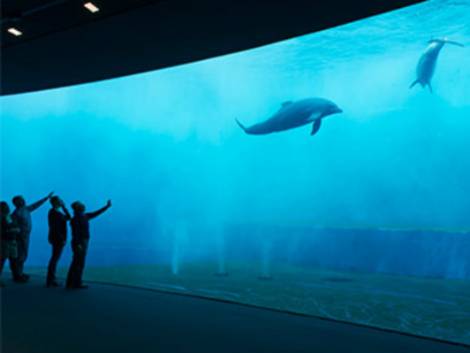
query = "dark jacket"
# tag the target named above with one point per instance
(81, 226)
(58, 226)
(8, 229)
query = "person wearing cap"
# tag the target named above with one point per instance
(80, 238)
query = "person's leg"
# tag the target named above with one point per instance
(3, 253)
(11, 253)
(14, 270)
(2, 263)
(25, 255)
(55, 256)
(22, 245)
(19, 258)
(15, 260)
(81, 263)
(71, 275)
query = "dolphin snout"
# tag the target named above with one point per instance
(336, 110)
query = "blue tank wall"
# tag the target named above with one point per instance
(416, 253)
(164, 146)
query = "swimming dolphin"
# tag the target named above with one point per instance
(295, 114)
(427, 62)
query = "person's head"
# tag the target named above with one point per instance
(4, 209)
(55, 201)
(19, 201)
(78, 207)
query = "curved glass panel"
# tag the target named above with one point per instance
(366, 221)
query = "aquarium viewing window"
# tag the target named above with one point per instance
(327, 174)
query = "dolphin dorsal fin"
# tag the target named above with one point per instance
(286, 103)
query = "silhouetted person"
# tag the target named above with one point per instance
(22, 216)
(57, 219)
(8, 248)
(80, 238)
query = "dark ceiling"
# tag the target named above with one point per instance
(63, 44)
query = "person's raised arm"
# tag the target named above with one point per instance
(34, 206)
(91, 215)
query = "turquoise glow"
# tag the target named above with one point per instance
(164, 146)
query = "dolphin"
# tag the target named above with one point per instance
(427, 62)
(295, 114)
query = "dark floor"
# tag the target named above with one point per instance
(116, 319)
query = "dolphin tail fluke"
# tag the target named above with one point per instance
(241, 125)
(455, 43)
(445, 41)
(414, 83)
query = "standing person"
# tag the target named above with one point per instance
(22, 216)
(80, 238)
(8, 248)
(57, 219)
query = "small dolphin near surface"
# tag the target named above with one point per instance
(295, 114)
(427, 62)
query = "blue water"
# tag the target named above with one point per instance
(164, 146)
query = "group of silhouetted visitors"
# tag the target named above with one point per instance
(16, 229)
